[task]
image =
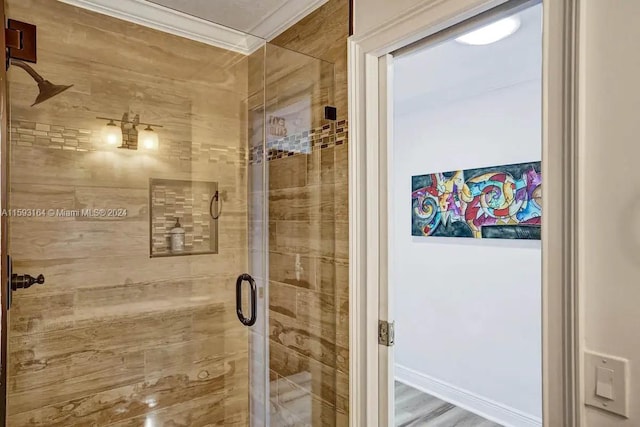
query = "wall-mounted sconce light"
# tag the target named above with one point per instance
(112, 134)
(127, 135)
(148, 139)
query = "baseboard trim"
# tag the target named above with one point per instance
(489, 409)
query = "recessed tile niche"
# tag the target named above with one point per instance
(190, 202)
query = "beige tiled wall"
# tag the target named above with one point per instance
(323, 34)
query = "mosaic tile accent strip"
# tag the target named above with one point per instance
(188, 201)
(42, 135)
(325, 136)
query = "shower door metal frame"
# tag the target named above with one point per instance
(4, 183)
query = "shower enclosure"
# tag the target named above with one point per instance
(179, 202)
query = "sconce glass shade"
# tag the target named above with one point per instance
(148, 139)
(112, 134)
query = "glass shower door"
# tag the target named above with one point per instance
(129, 195)
(306, 154)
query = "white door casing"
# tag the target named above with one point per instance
(370, 71)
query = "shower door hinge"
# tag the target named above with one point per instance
(386, 333)
(20, 41)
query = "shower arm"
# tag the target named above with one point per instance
(37, 77)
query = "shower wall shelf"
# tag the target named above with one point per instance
(190, 202)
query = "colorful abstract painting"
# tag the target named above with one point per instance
(499, 202)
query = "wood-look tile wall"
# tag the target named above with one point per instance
(323, 34)
(308, 213)
(115, 338)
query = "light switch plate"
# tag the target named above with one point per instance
(613, 382)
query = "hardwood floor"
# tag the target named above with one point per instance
(417, 409)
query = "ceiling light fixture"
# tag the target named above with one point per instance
(491, 33)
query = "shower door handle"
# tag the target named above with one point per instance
(247, 321)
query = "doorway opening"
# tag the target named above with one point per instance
(465, 263)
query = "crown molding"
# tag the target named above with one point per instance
(161, 18)
(284, 17)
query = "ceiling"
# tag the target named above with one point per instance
(263, 18)
(451, 71)
(237, 25)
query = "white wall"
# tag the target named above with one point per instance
(610, 207)
(369, 14)
(468, 310)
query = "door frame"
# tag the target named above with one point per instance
(370, 68)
